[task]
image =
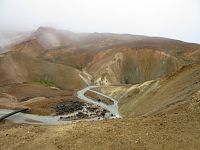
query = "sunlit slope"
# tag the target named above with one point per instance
(157, 95)
(130, 66)
(17, 67)
(110, 58)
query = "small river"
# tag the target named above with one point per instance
(54, 120)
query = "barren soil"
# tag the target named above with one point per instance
(174, 131)
(39, 98)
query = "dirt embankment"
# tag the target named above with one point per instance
(177, 131)
(156, 96)
(99, 98)
(39, 98)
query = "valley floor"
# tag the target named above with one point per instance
(171, 121)
(172, 131)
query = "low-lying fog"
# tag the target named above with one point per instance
(176, 19)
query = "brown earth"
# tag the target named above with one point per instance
(168, 127)
(157, 132)
(30, 47)
(108, 58)
(39, 98)
(131, 66)
(154, 96)
(16, 67)
(160, 112)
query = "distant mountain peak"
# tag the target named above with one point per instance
(45, 28)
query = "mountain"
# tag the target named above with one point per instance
(86, 46)
(30, 47)
(173, 92)
(130, 66)
(155, 80)
(17, 67)
(51, 38)
(11, 38)
(110, 58)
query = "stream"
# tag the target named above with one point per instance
(54, 120)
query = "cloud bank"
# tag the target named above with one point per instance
(179, 19)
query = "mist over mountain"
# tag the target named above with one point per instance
(53, 72)
(99, 74)
(106, 58)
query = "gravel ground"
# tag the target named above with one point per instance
(174, 131)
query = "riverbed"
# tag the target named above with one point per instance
(54, 120)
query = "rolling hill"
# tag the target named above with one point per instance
(17, 67)
(110, 58)
(155, 80)
(74, 60)
(157, 96)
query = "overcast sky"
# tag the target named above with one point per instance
(179, 19)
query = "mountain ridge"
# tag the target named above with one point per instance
(109, 58)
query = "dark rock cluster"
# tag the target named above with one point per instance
(81, 115)
(75, 110)
(68, 107)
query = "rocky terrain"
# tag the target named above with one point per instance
(156, 96)
(175, 131)
(98, 58)
(76, 110)
(154, 81)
